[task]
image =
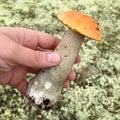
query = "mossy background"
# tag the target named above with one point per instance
(95, 94)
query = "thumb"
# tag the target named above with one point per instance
(37, 59)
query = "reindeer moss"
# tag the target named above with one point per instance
(95, 94)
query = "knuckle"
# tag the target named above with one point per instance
(37, 58)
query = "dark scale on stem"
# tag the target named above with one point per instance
(44, 108)
(65, 55)
(47, 108)
(44, 105)
(32, 100)
(39, 106)
(46, 101)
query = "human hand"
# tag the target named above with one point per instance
(25, 51)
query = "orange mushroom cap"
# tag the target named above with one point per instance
(81, 23)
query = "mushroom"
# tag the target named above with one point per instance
(45, 88)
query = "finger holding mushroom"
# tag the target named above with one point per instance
(44, 90)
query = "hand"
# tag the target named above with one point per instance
(25, 51)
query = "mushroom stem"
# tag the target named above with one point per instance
(45, 89)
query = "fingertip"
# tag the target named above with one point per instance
(77, 60)
(66, 84)
(21, 87)
(72, 75)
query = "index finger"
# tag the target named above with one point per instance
(31, 38)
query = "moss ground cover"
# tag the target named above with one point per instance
(95, 94)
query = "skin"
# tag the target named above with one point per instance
(26, 51)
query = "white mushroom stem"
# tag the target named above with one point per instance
(45, 89)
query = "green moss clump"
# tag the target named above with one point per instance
(95, 95)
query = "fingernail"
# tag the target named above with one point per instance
(53, 57)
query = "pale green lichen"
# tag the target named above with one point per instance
(99, 97)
